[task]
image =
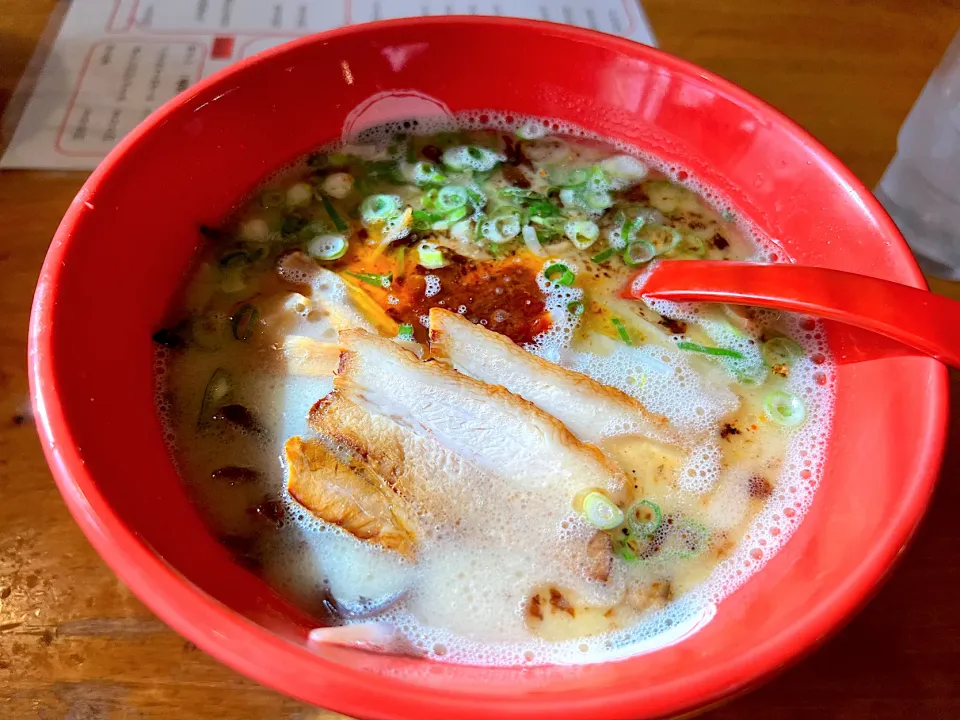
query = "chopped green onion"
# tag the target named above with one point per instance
(630, 546)
(377, 209)
(447, 221)
(338, 222)
(531, 240)
(426, 173)
(596, 181)
(603, 256)
(328, 247)
(572, 178)
(582, 233)
(338, 184)
(575, 308)
(380, 281)
(401, 261)
(559, 274)
(501, 229)
(663, 237)
(218, 391)
(430, 257)
(476, 196)
(244, 321)
(405, 332)
(451, 197)
(780, 351)
(424, 220)
(530, 130)
(690, 246)
(708, 350)
(622, 330)
(644, 517)
(471, 157)
(601, 511)
(273, 198)
(639, 252)
(299, 194)
(629, 230)
(784, 408)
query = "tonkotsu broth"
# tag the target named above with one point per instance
(530, 229)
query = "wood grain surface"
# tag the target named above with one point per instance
(75, 643)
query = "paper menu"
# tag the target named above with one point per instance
(115, 61)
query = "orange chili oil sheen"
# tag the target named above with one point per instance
(502, 295)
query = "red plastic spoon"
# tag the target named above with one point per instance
(926, 322)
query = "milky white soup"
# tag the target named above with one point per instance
(403, 388)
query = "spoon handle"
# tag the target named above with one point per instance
(920, 319)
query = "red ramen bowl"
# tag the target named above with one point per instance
(127, 241)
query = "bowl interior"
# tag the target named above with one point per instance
(121, 254)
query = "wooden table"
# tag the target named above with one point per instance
(74, 642)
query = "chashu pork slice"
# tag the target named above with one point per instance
(499, 432)
(588, 408)
(438, 484)
(351, 496)
(434, 480)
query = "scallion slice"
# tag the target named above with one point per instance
(471, 157)
(530, 130)
(429, 256)
(601, 512)
(298, 195)
(690, 246)
(622, 330)
(217, 392)
(575, 308)
(377, 209)
(335, 218)
(663, 237)
(531, 240)
(582, 233)
(571, 178)
(405, 331)
(709, 350)
(244, 321)
(501, 229)
(401, 261)
(451, 197)
(604, 255)
(784, 408)
(559, 274)
(426, 173)
(644, 517)
(380, 281)
(780, 351)
(328, 247)
(638, 253)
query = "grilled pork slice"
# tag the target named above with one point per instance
(306, 356)
(438, 483)
(351, 496)
(499, 432)
(589, 409)
(434, 480)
